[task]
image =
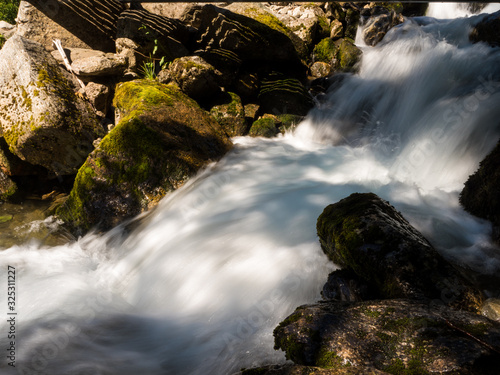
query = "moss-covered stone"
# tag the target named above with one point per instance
(368, 236)
(8, 188)
(162, 139)
(393, 336)
(341, 54)
(231, 115)
(264, 127)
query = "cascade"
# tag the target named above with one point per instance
(199, 284)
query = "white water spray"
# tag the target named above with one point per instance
(199, 286)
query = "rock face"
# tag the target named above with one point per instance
(365, 234)
(395, 336)
(162, 139)
(42, 120)
(488, 30)
(480, 194)
(77, 23)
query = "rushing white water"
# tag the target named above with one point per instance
(199, 286)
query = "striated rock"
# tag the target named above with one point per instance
(396, 336)
(162, 139)
(42, 119)
(242, 40)
(365, 234)
(195, 77)
(170, 10)
(77, 23)
(100, 65)
(231, 116)
(480, 193)
(284, 95)
(310, 370)
(141, 34)
(487, 30)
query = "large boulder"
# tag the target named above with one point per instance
(162, 139)
(341, 54)
(487, 30)
(42, 119)
(365, 234)
(249, 42)
(396, 336)
(77, 23)
(480, 194)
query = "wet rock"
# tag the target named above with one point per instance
(480, 193)
(348, 14)
(162, 139)
(396, 336)
(366, 235)
(195, 77)
(231, 116)
(266, 127)
(378, 25)
(491, 309)
(345, 285)
(342, 55)
(310, 370)
(487, 30)
(77, 23)
(43, 121)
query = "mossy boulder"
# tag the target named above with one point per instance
(341, 54)
(487, 30)
(400, 337)
(264, 127)
(231, 115)
(366, 235)
(480, 195)
(43, 121)
(162, 139)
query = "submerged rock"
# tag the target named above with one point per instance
(396, 336)
(365, 234)
(43, 121)
(480, 194)
(162, 139)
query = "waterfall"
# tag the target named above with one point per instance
(198, 285)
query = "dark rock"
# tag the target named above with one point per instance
(243, 39)
(345, 285)
(348, 14)
(414, 9)
(195, 77)
(162, 139)
(12, 165)
(231, 116)
(396, 336)
(365, 234)
(77, 23)
(44, 122)
(480, 195)
(488, 30)
(309, 370)
(8, 188)
(284, 95)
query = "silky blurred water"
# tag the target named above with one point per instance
(200, 283)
